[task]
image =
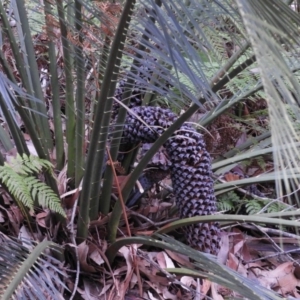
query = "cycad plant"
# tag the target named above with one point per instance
(106, 77)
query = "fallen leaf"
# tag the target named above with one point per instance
(224, 249)
(2, 219)
(282, 279)
(83, 250)
(96, 257)
(236, 265)
(62, 181)
(188, 281)
(179, 258)
(91, 290)
(41, 218)
(161, 260)
(214, 292)
(205, 287)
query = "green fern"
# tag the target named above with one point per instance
(15, 175)
(16, 185)
(255, 206)
(228, 201)
(231, 201)
(29, 164)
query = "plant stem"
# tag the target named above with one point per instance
(80, 90)
(69, 106)
(91, 181)
(59, 147)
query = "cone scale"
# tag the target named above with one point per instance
(190, 170)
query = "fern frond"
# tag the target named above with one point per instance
(24, 188)
(16, 186)
(44, 194)
(253, 207)
(225, 205)
(228, 201)
(29, 164)
(38, 164)
(16, 164)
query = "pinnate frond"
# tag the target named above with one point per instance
(16, 186)
(29, 164)
(25, 188)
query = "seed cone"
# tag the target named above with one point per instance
(190, 170)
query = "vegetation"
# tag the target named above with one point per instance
(25, 188)
(72, 74)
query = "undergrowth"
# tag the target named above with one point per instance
(232, 202)
(19, 176)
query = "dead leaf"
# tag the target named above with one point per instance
(168, 295)
(31, 147)
(17, 214)
(180, 258)
(91, 290)
(25, 234)
(96, 257)
(62, 181)
(164, 260)
(206, 284)
(127, 253)
(236, 265)
(161, 260)
(242, 139)
(6, 197)
(2, 219)
(214, 292)
(224, 249)
(282, 279)
(41, 218)
(151, 297)
(83, 250)
(122, 180)
(106, 288)
(188, 281)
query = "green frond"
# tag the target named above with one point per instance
(29, 164)
(253, 207)
(228, 201)
(16, 165)
(231, 201)
(16, 186)
(265, 206)
(25, 188)
(44, 194)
